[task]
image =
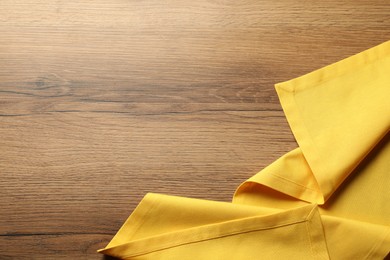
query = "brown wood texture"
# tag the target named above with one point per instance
(104, 101)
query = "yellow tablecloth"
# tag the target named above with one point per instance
(327, 199)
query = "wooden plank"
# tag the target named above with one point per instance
(42, 246)
(104, 101)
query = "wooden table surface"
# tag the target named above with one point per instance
(104, 101)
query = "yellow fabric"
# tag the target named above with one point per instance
(327, 199)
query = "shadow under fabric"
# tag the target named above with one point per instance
(327, 199)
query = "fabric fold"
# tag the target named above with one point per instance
(227, 230)
(337, 114)
(350, 239)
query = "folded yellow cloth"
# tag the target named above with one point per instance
(327, 199)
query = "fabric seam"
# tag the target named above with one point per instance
(217, 237)
(377, 245)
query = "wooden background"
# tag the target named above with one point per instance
(104, 101)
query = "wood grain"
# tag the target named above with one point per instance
(104, 101)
